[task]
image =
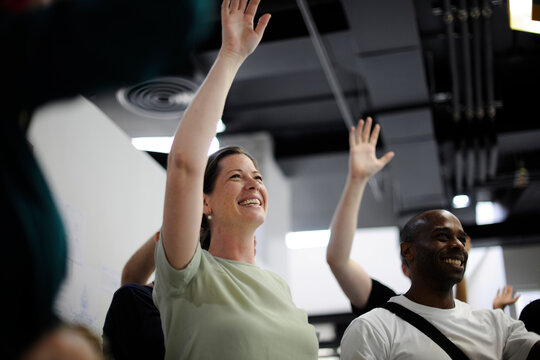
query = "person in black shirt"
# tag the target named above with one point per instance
(132, 328)
(530, 315)
(378, 295)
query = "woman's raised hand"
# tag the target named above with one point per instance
(363, 161)
(239, 36)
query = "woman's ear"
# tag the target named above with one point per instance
(207, 210)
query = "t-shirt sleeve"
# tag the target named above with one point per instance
(168, 280)
(519, 341)
(362, 340)
(379, 294)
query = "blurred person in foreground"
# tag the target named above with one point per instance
(53, 50)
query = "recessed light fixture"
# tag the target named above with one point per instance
(460, 201)
(488, 212)
(520, 14)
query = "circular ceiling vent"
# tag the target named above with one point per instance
(160, 98)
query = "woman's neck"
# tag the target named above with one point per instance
(233, 246)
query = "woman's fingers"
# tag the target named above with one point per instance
(375, 135)
(242, 5)
(367, 129)
(359, 130)
(224, 7)
(365, 134)
(387, 157)
(252, 7)
(234, 5)
(352, 137)
(261, 24)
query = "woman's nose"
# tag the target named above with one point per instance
(252, 184)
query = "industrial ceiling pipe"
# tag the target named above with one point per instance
(470, 140)
(474, 16)
(490, 97)
(448, 18)
(463, 16)
(477, 59)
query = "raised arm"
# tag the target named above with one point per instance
(363, 164)
(504, 297)
(187, 159)
(141, 264)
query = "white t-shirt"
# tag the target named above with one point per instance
(480, 334)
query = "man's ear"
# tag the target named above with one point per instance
(407, 251)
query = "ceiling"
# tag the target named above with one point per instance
(461, 115)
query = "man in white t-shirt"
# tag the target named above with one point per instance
(433, 248)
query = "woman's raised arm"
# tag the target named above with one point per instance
(363, 164)
(187, 159)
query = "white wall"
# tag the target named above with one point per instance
(313, 285)
(523, 272)
(523, 264)
(110, 196)
(485, 274)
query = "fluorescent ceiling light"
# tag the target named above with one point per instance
(460, 201)
(307, 239)
(214, 146)
(220, 126)
(488, 212)
(520, 13)
(162, 144)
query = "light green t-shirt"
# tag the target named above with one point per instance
(224, 309)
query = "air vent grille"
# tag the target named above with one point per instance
(160, 98)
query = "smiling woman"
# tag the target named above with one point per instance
(230, 171)
(213, 300)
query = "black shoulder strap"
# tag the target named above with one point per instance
(427, 328)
